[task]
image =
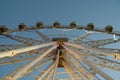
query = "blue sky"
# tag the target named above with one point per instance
(100, 12)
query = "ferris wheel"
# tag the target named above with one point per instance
(59, 52)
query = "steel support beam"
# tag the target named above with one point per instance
(10, 46)
(107, 53)
(95, 69)
(48, 76)
(97, 43)
(41, 63)
(43, 36)
(80, 68)
(23, 70)
(69, 71)
(21, 50)
(74, 71)
(103, 62)
(69, 59)
(27, 41)
(26, 56)
(111, 50)
(67, 27)
(46, 71)
(79, 39)
(56, 65)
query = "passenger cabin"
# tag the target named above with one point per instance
(21, 26)
(39, 24)
(3, 29)
(73, 25)
(90, 26)
(56, 24)
(109, 28)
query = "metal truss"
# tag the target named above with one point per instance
(100, 60)
(98, 43)
(95, 69)
(104, 62)
(25, 56)
(81, 60)
(44, 37)
(79, 39)
(21, 50)
(81, 71)
(23, 70)
(8, 47)
(111, 50)
(27, 41)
